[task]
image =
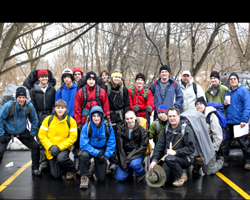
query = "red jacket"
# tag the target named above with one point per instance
(139, 100)
(90, 95)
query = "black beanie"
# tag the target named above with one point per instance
(201, 100)
(215, 74)
(20, 91)
(140, 75)
(91, 74)
(234, 74)
(164, 67)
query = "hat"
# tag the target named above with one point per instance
(91, 74)
(157, 177)
(42, 71)
(186, 72)
(140, 75)
(164, 67)
(20, 91)
(234, 74)
(67, 72)
(77, 69)
(215, 74)
(201, 100)
(162, 108)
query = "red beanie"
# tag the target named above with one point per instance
(42, 71)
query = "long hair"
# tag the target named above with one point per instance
(111, 79)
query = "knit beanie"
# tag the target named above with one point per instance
(140, 75)
(234, 74)
(162, 108)
(42, 71)
(215, 74)
(201, 100)
(91, 74)
(20, 91)
(67, 72)
(164, 67)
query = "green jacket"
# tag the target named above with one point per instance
(153, 133)
(219, 96)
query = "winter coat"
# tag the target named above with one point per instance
(138, 99)
(91, 95)
(184, 148)
(153, 129)
(239, 109)
(58, 133)
(98, 141)
(18, 123)
(219, 96)
(68, 95)
(173, 97)
(189, 96)
(43, 102)
(214, 128)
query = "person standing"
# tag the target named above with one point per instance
(78, 74)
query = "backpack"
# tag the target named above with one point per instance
(219, 113)
(52, 116)
(145, 94)
(109, 89)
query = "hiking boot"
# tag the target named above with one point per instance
(185, 175)
(36, 172)
(247, 166)
(84, 182)
(180, 181)
(44, 167)
(196, 169)
(70, 175)
(92, 169)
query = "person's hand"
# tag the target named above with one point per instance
(54, 150)
(242, 124)
(151, 167)
(171, 152)
(102, 158)
(136, 108)
(149, 109)
(226, 102)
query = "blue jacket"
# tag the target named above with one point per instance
(17, 124)
(239, 109)
(170, 94)
(68, 95)
(93, 146)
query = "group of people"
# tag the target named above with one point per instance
(107, 126)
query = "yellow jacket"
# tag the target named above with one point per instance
(58, 134)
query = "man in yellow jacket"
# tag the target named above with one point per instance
(57, 134)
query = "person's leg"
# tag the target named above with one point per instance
(225, 147)
(84, 158)
(122, 175)
(65, 161)
(213, 166)
(4, 141)
(245, 146)
(43, 161)
(136, 165)
(100, 170)
(55, 168)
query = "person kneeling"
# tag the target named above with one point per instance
(57, 134)
(97, 140)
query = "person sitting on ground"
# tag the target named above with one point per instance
(180, 156)
(57, 134)
(215, 133)
(97, 140)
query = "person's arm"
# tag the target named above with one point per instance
(111, 143)
(33, 120)
(105, 102)
(78, 106)
(215, 131)
(43, 134)
(126, 100)
(4, 112)
(179, 96)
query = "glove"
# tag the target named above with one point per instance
(136, 108)
(54, 150)
(149, 109)
(102, 158)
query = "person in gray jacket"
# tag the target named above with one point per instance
(215, 133)
(190, 90)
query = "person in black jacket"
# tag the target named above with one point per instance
(43, 98)
(180, 156)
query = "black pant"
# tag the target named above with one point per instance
(28, 140)
(173, 166)
(243, 141)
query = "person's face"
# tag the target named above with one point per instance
(96, 119)
(162, 116)
(186, 78)
(21, 100)
(200, 106)
(60, 110)
(91, 82)
(43, 79)
(139, 82)
(116, 79)
(233, 82)
(214, 81)
(130, 119)
(77, 76)
(173, 118)
(67, 80)
(104, 77)
(164, 74)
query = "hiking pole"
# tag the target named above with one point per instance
(162, 157)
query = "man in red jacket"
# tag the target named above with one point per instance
(141, 98)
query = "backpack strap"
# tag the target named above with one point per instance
(195, 89)
(52, 116)
(97, 95)
(12, 110)
(85, 98)
(157, 126)
(132, 91)
(154, 87)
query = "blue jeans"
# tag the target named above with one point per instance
(135, 165)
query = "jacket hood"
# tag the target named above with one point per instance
(208, 110)
(137, 123)
(77, 69)
(96, 109)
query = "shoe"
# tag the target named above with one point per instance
(92, 169)
(78, 173)
(108, 171)
(36, 172)
(180, 181)
(247, 166)
(84, 182)
(44, 167)
(113, 167)
(196, 169)
(225, 165)
(185, 175)
(70, 175)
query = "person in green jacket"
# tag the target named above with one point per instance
(157, 125)
(216, 91)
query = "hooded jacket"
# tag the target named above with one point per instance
(58, 133)
(68, 95)
(219, 96)
(18, 123)
(98, 141)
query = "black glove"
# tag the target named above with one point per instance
(136, 108)
(102, 158)
(54, 150)
(149, 109)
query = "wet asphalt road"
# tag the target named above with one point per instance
(27, 186)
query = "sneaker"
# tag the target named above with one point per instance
(36, 172)
(44, 167)
(84, 182)
(180, 181)
(70, 175)
(247, 166)
(92, 169)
